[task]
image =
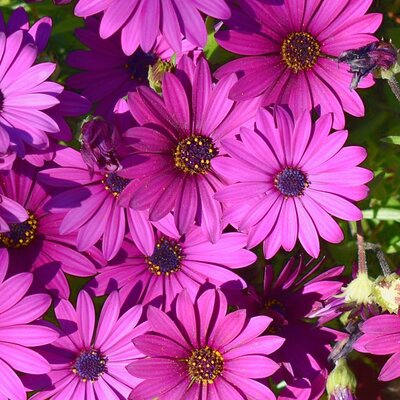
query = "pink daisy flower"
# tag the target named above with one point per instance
(89, 204)
(141, 21)
(36, 244)
(200, 352)
(382, 336)
(89, 363)
(297, 176)
(287, 51)
(177, 138)
(18, 336)
(171, 263)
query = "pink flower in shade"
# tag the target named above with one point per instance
(18, 336)
(178, 136)
(297, 175)
(382, 336)
(287, 51)
(170, 263)
(106, 62)
(36, 244)
(141, 21)
(89, 363)
(89, 204)
(200, 352)
(32, 109)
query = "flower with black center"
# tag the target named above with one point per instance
(296, 176)
(289, 50)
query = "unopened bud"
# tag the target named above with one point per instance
(386, 291)
(156, 73)
(342, 383)
(359, 290)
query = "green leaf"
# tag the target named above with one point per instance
(391, 139)
(383, 214)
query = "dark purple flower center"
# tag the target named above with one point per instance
(90, 365)
(115, 184)
(300, 51)
(21, 234)
(205, 365)
(166, 258)
(276, 310)
(1, 100)
(291, 182)
(194, 153)
(138, 65)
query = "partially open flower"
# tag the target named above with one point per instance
(342, 382)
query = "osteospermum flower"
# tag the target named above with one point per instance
(178, 137)
(299, 176)
(36, 244)
(141, 21)
(288, 49)
(171, 263)
(200, 352)
(89, 363)
(106, 62)
(381, 336)
(89, 204)
(18, 336)
(31, 107)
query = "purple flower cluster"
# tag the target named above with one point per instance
(181, 174)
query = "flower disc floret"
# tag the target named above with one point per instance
(291, 182)
(166, 258)
(115, 184)
(205, 365)
(21, 234)
(90, 365)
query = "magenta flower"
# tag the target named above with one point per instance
(89, 204)
(178, 137)
(31, 107)
(171, 263)
(18, 335)
(382, 336)
(105, 62)
(200, 352)
(10, 213)
(141, 21)
(288, 49)
(90, 364)
(298, 175)
(36, 244)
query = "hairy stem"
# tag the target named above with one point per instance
(362, 259)
(394, 85)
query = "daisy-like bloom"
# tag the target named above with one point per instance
(106, 62)
(299, 175)
(381, 336)
(31, 107)
(178, 137)
(141, 21)
(36, 244)
(89, 363)
(288, 49)
(171, 263)
(200, 352)
(18, 336)
(290, 298)
(89, 204)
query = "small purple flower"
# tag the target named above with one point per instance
(287, 51)
(178, 137)
(89, 363)
(36, 244)
(18, 335)
(141, 21)
(201, 353)
(297, 176)
(170, 263)
(382, 336)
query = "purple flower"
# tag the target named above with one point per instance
(17, 335)
(89, 204)
(200, 352)
(141, 21)
(288, 49)
(170, 263)
(382, 336)
(178, 137)
(90, 364)
(36, 244)
(31, 107)
(297, 175)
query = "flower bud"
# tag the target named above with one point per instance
(386, 291)
(359, 290)
(99, 143)
(342, 383)
(156, 73)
